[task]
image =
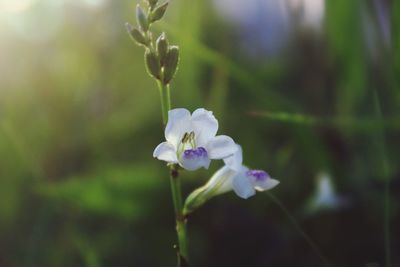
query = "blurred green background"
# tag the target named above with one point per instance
(309, 88)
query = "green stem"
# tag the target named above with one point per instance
(178, 206)
(174, 178)
(165, 100)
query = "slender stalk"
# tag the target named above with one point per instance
(165, 104)
(387, 223)
(174, 179)
(381, 147)
(299, 229)
(161, 61)
(178, 206)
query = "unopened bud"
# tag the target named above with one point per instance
(142, 19)
(158, 12)
(196, 199)
(152, 3)
(162, 48)
(171, 63)
(152, 64)
(219, 183)
(136, 35)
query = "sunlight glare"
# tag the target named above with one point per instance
(14, 6)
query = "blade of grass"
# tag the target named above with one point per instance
(21, 148)
(384, 169)
(361, 124)
(299, 229)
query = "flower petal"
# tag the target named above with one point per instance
(166, 152)
(178, 124)
(235, 161)
(221, 181)
(266, 185)
(221, 147)
(243, 186)
(261, 180)
(205, 126)
(193, 159)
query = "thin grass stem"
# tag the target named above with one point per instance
(299, 229)
(386, 177)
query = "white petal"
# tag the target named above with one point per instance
(193, 159)
(221, 147)
(166, 152)
(235, 161)
(243, 186)
(178, 124)
(266, 185)
(205, 126)
(221, 181)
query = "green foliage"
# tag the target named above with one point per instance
(113, 190)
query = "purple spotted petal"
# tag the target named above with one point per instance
(193, 159)
(258, 175)
(199, 152)
(261, 180)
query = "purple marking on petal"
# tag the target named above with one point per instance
(199, 152)
(259, 175)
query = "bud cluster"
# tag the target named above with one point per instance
(161, 59)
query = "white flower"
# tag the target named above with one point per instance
(239, 178)
(233, 176)
(192, 141)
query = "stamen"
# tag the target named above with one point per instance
(184, 138)
(188, 138)
(191, 135)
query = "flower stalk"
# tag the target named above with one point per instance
(161, 62)
(165, 97)
(174, 179)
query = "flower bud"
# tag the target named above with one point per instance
(158, 12)
(219, 183)
(196, 199)
(152, 64)
(152, 3)
(136, 35)
(171, 63)
(162, 48)
(142, 19)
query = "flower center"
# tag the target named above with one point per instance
(188, 142)
(259, 175)
(189, 138)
